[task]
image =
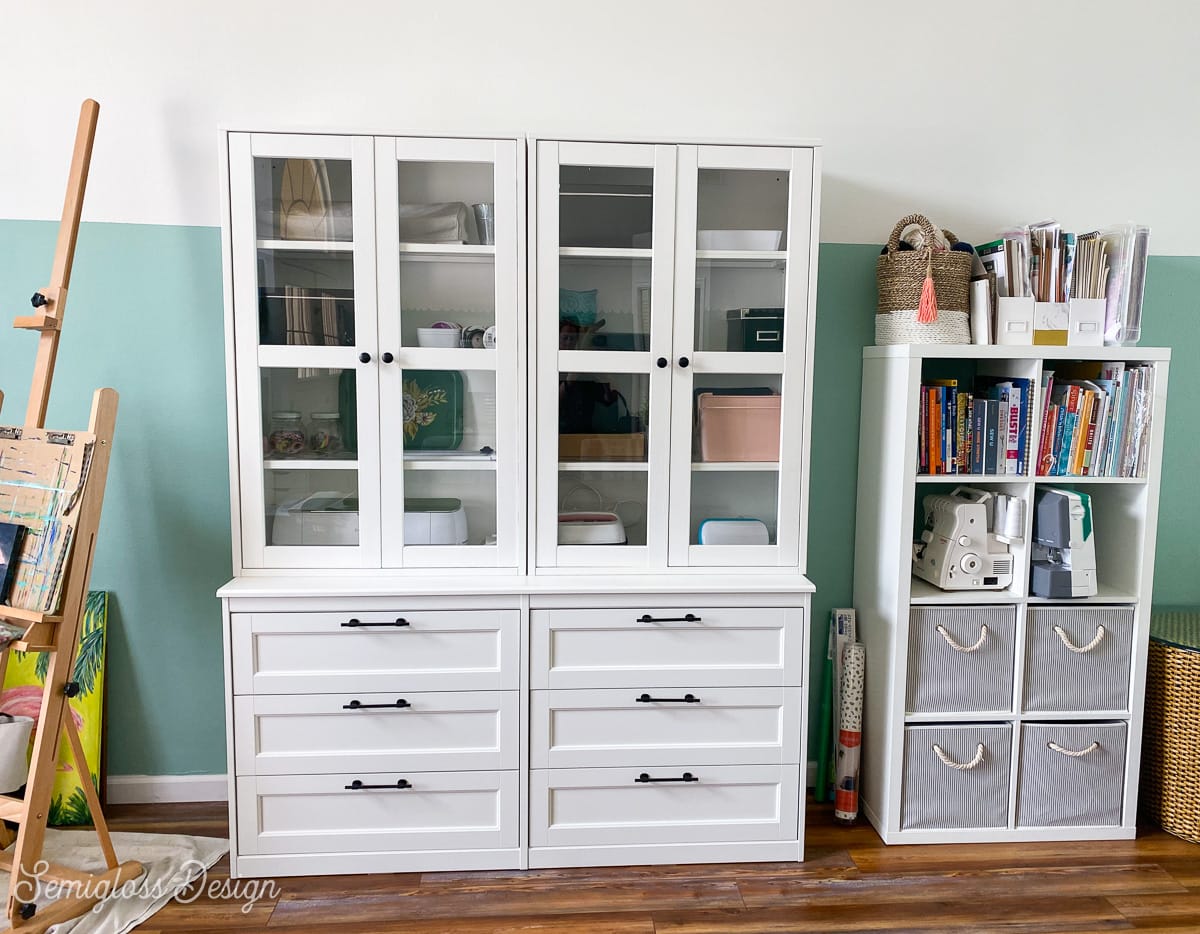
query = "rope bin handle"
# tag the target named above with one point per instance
(983, 633)
(959, 766)
(921, 221)
(1079, 649)
(1073, 753)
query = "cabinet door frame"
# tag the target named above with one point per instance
(507, 158)
(794, 369)
(550, 155)
(251, 357)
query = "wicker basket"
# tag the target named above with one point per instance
(900, 275)
(1170, 789)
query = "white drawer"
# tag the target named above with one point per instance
(656, 726)
(284, 734)
(280, 814)
(675, 647)
(327, 653)
(588, 807)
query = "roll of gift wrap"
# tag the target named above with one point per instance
(845, 798)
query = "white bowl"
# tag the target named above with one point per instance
(738, 239)
(439, 337)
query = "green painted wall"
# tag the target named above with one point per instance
(145, 317)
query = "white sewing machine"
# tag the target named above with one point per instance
(958, 550)
(1064, 548)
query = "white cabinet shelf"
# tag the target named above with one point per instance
(910, 794)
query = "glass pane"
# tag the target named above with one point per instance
(447, 302)
(309, 413)
(311, 507)
(736, 419)
(602, 507)
(739, 305)
(603, 417)
(603, 304)
(605, 206)
(449, 415)
(446, 202)
(734, 507)
(449, 506)
(740, 209)
(303, 199)
(306, 297)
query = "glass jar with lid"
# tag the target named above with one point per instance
(286, 437)
(325, 437)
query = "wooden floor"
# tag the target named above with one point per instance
(850, 881)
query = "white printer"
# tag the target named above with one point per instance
(331, 518)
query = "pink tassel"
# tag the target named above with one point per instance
(927, 310)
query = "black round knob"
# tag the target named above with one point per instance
(662, 363)
(683, 361)
(39, 300)
(387, 357)
(364, 357)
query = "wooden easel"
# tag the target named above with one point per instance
(58, 634)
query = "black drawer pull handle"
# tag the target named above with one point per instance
(359, 624)
(647, 618)
(686, 699)
(645, 779)
(357, 785)
(359, 705)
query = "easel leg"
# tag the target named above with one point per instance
(89, 791)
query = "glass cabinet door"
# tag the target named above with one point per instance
(605, 241)
(450, 226)
(303, 254)
(742, 257)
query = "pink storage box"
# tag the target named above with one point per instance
(738, 428)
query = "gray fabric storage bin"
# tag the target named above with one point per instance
(937, 796)
(1057, 678)
(1055, 789)
(946, 678)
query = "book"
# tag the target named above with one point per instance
(991, 440)
(11, 537)
(978, 434)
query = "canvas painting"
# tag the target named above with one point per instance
(22, 696)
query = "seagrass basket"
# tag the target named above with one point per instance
(900, 276)
(1170, 785)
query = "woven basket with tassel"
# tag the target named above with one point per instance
(924, 295)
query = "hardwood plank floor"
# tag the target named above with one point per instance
(849, 881)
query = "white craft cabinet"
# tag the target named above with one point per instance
(996, 715)
(513, 700)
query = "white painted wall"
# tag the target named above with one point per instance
(1082, 111)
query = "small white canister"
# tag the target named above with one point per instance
(14, 751)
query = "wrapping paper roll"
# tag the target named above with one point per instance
(845, 797)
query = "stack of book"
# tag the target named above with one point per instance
(1098, 424)
(982, 431)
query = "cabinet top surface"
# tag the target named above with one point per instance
(316, 585)
(533, 137)
(1014, 352)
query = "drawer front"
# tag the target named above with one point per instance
(279, 814)
(657, 726)
(1078, 657)
(284, 734)
(585, 807)
(1071, 775)
(327, 653)
(735, 647)
(936, 795)
(960, 658)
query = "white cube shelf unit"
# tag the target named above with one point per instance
(996, 715)
(425, 668)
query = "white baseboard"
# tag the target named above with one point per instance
(155, 789)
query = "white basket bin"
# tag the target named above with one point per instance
(14, 749)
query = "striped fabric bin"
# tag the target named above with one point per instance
(1078, 657)
(955, 775)
(960, 658)
(1071, 774)
(1170, 790)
